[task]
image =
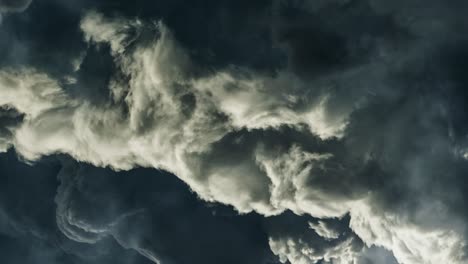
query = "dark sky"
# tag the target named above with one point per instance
(248, 131)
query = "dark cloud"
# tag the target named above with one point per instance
(10, 119)
(337, 128)
(155, 214)
(14, 5)
(142, 210)
(28, 230)
(321, 39)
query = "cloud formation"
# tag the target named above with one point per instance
(92, 215)
(358, 124)
(9, 6)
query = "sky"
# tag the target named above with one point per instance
(234, 132)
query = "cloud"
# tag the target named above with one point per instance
(93, 215)
(154, 214)
(292, 239)
(99, 29)
(28, 230)
(365, 118)
(9, 120)
(14, 5)
(206, 118)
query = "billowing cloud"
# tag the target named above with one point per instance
(359, 127)
(93, 215)
(295, 240)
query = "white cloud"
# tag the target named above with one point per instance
(262, 102)
(323, 230)
(409, 242)
(289, 173)
(100, 29)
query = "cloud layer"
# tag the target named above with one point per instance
(350, 113)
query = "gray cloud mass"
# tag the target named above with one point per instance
(329, 132)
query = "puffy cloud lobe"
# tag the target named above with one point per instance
(99, 29)
(299, 180)
(409, 242)
(293, 240)
(323, 229)
(302, 239)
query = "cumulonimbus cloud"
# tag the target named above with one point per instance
(254, 141)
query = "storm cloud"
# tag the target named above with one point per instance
(258, 131)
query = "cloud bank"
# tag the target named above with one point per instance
(357, 122)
